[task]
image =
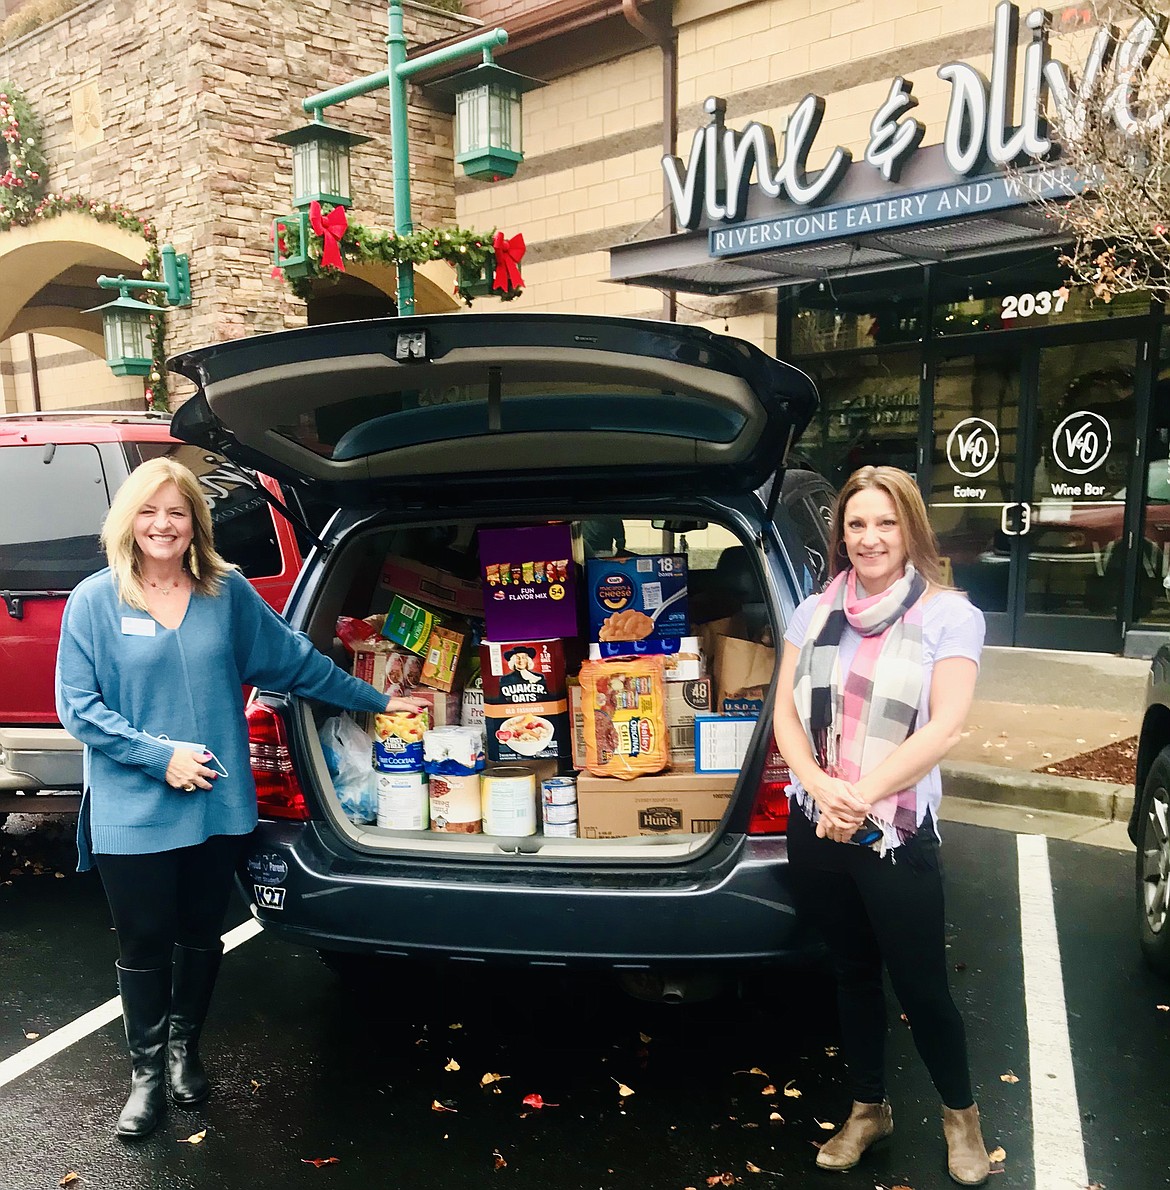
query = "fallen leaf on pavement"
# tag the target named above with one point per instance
(437, 1106)
(624, 1091)
(768, 1090)
(489, 1079)
(776, 1118)
(498, 1161)
(754, 1070)
(32, 1036)
(722, 1179)
(1009, 1078)
(451, 1065)
(255, 1086)
(751, 1168)
(71, 1177)
(317, 1162)
(645, 1038)
(790, 1089)
(1163, 1007)
(827, 1125)
(997, 1155)
(831, 1051)
(538, 1102)
(457, 1025)
(196, 1138)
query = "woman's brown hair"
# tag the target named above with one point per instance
(899, 485)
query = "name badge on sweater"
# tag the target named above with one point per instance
(135, 626)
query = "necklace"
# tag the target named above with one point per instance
(163, 588)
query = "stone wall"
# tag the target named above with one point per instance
(168, 109)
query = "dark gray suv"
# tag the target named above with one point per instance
(1149, 826)
(424, 431)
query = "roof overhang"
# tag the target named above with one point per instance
(869, 229)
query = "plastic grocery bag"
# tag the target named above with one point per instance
(347, 753)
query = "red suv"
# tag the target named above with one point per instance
(58, 473)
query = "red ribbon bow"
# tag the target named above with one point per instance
(509, 253)
(330, 228)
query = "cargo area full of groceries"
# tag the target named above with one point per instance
(578, 680)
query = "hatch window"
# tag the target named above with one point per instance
(382, 421)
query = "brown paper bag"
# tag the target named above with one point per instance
(743, 669)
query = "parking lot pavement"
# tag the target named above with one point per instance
(307, 1068)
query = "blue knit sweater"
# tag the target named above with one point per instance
(123, 680)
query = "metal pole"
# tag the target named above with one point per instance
(400, 150)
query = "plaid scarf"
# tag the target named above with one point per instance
(855, 724)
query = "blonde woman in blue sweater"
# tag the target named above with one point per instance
(161, 644)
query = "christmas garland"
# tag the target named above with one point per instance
(24, 199)
(468, 252)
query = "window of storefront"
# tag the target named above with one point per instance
(868, 414)
(1152, 602)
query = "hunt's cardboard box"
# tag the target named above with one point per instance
(680, 802)
(684, 700)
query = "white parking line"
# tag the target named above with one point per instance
(1058, 1147)
(61, 1039)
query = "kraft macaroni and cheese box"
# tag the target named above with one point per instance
(637, 598)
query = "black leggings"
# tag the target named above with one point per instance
(169, 896)
(871, 910)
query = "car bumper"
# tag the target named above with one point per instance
(33, 758)
(735, 913)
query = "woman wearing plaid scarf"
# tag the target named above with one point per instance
(876, 680)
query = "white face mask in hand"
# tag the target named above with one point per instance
(205, 754)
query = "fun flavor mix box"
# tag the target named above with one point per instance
(530, 581)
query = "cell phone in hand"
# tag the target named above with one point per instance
(867, 833)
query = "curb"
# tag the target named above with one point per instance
(1038, 791)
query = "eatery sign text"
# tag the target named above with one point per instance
(716, 179)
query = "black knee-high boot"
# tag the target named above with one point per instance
(146, 1006)
(194, 978)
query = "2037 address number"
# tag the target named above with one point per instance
(1028, 305)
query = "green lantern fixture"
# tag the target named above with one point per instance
(489, 141)
(320, 163)
(126, 331)
(126, 325)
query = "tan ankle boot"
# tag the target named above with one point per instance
(867, 1124)
(967, 1160)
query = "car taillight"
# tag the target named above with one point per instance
(278, 792)
(770, 812)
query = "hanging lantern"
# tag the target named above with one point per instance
(126, 331)
(320, 163)
(488, 134)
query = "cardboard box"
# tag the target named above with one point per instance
(684, 700)
(530, 581)
(721, 742)
(682, 656)
(441, 659)
(681, 802)
(393, 671)
(408, 624)
(429, 585)
(654, 585)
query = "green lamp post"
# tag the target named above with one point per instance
(491, 116)
(126, 322)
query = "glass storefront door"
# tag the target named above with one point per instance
(1033, 453)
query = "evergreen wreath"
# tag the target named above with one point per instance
(25, 199)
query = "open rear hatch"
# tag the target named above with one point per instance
(445, 405)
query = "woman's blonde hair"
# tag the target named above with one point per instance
(899, 485)
(204, 563)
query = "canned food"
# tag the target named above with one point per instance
(402, 801)
(561, 830)
(559, 791)
(509, 802)
(559, 815)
